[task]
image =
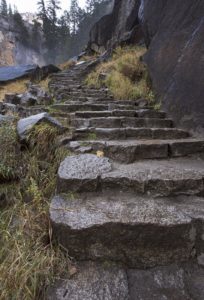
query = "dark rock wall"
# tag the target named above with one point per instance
(121, 25)
(174, 33)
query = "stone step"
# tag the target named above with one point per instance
(131, 133)
(139, 232)
(139, 113)
(122, 122)
(91, 99)
(88, 92)
(80, 106)
(129, 151)
(170, 177)
(93, 280)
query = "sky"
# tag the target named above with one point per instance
(30, 5)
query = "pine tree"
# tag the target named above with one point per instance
(4, 8)
(74, 15)
(53, 7)
(42, 13)
(35, 35)
(24, 37)
(10, 11)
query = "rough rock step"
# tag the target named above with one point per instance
(130, 133)
(109, 101)
(89, 173)
(89, 107)
(110, 282)
(140, 113)
(92, 281)
(136, 231)
(128, 151)
(122, 122)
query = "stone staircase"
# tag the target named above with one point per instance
(129, 206)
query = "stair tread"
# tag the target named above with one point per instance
(166, 177)
(121, 207)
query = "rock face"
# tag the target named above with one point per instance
(122, 25)
(173, 32)
(12, 51)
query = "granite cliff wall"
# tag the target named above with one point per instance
(173, 32)
(12, 51)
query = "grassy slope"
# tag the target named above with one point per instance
(126, 74)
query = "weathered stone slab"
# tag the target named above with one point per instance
(183, 282)
(188, 147)
(81, 172)
(158, 178)
(122, 122)
(139, 232)
(92, 282)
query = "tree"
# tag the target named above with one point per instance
(74, 15)
(24, 37)
(4, 8)
(35, 35)
(10, 11)
(42, 13)
(53, 7)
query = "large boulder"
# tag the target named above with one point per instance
(26, 71)
(25, 125)
(121, 26)
(174, 35)
(34, 95)
(15, 72)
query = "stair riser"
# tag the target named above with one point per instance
(135, 246)
(123, 134)
(123, 122)
(155, 187)
(91, 107)
(134, 113)
(131, 153)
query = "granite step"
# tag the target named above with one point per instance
(169, 177)
(122, 122)
(80, 106)
(129, 151)
(139, 232)
(130, 133)
(139, 113)
(107, 281)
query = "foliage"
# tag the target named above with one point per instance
(24, 37)
(3, 8)
(126, 74)
(29, 259)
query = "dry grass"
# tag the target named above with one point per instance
(126, 74)
(29, 260)
(66, 65)
(18, 87)
(44, 84)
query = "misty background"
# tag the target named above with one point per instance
(55, 30)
